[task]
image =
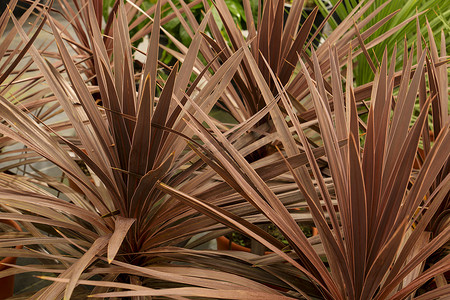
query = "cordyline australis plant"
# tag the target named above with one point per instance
(130, 147)
(373, 225)
(150, 192)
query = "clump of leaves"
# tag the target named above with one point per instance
(121, 228)
(373, 224)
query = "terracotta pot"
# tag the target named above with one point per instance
(224, 243)
(7, 283)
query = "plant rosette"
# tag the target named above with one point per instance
(7, 283)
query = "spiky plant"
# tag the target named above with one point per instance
(129, 146)
(373, 225)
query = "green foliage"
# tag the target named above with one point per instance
(436, 11)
